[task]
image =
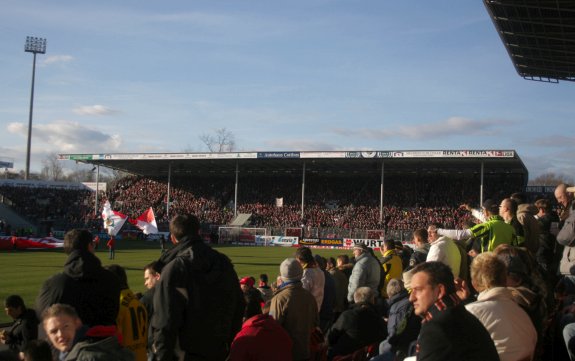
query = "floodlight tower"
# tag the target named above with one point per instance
(35, 46)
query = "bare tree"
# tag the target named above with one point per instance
(52, 168)
(551, 179)
(222, 140)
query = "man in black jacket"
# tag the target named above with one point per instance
(448, 330)
(198, 303)
(85, 285)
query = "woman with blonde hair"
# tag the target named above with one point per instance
(508, 324)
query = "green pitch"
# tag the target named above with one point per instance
(23, 272)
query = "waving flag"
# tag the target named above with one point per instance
(113, 221)
(146, 222)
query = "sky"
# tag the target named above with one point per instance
(149, 76)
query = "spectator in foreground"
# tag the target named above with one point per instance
(133, 318)
(448, 330)
(357, 327)
(313, 278)
(73, 341)
(198, 303)
(508, 324)
(264, 288)
(84, 284)
(365, 273)
(25, 326)
(295, 308)
(261, 338)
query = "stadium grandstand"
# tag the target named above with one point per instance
(337, 193)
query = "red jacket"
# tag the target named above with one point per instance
(261, 338)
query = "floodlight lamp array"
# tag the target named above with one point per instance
(35, 45)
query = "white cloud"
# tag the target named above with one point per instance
(446, 128)
(55, 59)
(66, 136)
(94, 110)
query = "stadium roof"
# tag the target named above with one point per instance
(539, 36)
(338, 162)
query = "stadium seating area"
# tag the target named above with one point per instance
(346, 203)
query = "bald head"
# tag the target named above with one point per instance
(563, 197)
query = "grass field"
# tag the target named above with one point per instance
(23, 272)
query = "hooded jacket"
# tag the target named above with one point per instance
(198, 303)
(85, 285)
(99, 344)
(262, 338)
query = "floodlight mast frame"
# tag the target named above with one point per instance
(35, 46)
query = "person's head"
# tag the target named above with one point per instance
(432, 235)
(394, 287)
(264, 279)
(507, 208)
(488, 271)
(490, 208)
(14, 306)
(543, 206)
(246, 283)
(78, 240)
(291, 270)
(364, 295)
(119, 272)
(320, 261)
(519, 198)
(330, 263)
(430, 282)
(37, 350)
(388, 245)
(253, 306)
(420, 237)
(304, 256)
(359, 249)
(516, 262)
(151, 275)
(61, 323)
(342, 259)
(563, 197)
(184, 227)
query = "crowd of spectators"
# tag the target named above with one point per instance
(346, 203)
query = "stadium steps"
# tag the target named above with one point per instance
(12, 218)
(241, 220)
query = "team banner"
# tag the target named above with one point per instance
(13, 242)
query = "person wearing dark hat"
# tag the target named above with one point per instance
(491, 233)
(365, 273)
(295, 308)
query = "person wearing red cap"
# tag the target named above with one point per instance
(247, 286)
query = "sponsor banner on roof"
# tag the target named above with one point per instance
(281, 155)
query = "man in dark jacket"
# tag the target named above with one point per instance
(198, 303)
(25, 326)
(448, 330)
(85, 285)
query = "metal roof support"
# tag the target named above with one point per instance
(481, 185)
(169, 182)
(381, 193)
(236, 191)
(302, 190)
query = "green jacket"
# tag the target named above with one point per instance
(493, 232)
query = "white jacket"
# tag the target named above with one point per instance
(313, 280)
(508, 324)
(445, 250)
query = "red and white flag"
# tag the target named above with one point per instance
(113, 220)
(146, 222)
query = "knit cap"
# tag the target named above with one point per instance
(290, 270)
